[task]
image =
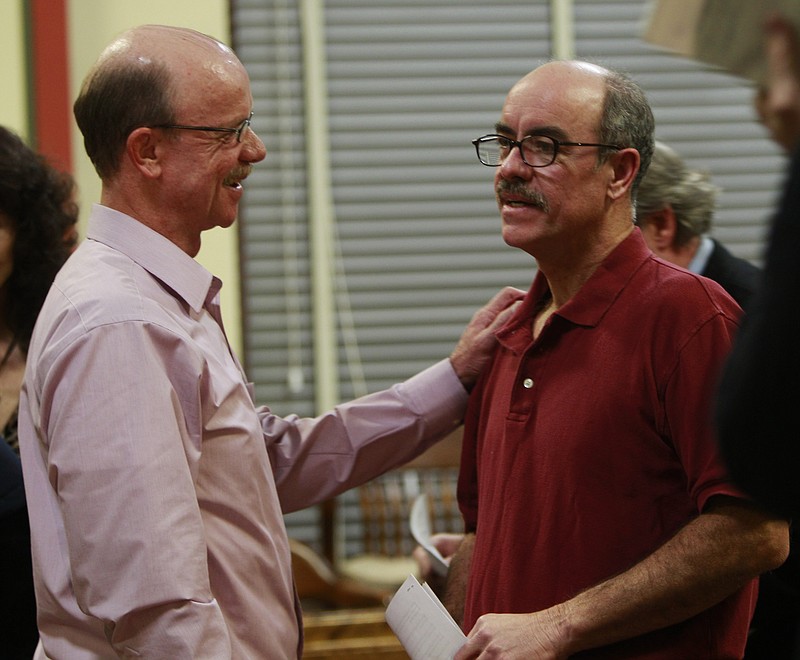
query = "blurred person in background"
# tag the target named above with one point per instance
(675, 209)
(756, 418)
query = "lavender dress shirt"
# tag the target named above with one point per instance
(155, 486)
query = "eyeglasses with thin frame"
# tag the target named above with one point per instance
(239, 130)
(536, 150)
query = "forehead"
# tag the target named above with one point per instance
(205, 73)
(212, 86)
(562, 97)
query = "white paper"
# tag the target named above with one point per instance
(420, 524)
(422, 624)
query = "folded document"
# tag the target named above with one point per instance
(422, 624)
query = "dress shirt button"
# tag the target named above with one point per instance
(527, 383)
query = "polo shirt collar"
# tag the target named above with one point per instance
(155, 253)
(594, 298)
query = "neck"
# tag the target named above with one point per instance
(682, 255)
(566, 273)
(137, 206)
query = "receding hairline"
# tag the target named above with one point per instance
(586, 70)
(161, 44)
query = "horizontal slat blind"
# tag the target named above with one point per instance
(410, 84)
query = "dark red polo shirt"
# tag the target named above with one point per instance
(586, 450)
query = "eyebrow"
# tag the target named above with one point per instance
(550, 131)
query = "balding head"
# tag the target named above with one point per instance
(623, 115)
(140, 79)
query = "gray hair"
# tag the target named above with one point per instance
(690, 193)
(627, 121)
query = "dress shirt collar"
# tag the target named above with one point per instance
(155, 253)
(700, 260)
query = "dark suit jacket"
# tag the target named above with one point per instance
(737, 276)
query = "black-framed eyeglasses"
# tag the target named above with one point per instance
(239, 130)
(536, 150)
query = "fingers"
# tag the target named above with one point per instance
(504, 315)
(503, 299)
(477, 343)
(446, 543)
(491, 317)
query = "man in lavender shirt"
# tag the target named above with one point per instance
(156, 487)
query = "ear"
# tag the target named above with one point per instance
(661, 227)
(625, 166)
(143, 150)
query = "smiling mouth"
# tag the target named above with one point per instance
(235, 178)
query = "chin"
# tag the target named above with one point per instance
(223, 220)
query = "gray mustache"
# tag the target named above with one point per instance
(239, 174)
(516, 190)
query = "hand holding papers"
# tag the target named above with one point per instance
(420, 525)
(422, 624)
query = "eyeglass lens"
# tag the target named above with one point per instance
(537, 150)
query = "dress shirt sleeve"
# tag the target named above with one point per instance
(120, 411)
(314, 459)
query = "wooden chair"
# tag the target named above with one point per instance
(384, 545)
(319, 586)
(342, 619)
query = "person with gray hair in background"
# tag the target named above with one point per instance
(674, 210)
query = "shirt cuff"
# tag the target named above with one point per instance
(437, 394)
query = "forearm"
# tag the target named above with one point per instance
(455, 594)
(314, 459)
(705, 562)
(708, 560)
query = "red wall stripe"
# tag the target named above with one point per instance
(52, 112)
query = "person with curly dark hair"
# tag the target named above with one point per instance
(37, 233)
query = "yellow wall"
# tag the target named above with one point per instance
(13, 101)
(91, 25)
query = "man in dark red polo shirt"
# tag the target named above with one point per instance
(599, 517)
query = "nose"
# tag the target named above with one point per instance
(252, 147)
(513, 167)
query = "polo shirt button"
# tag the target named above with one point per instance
(527, 383)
